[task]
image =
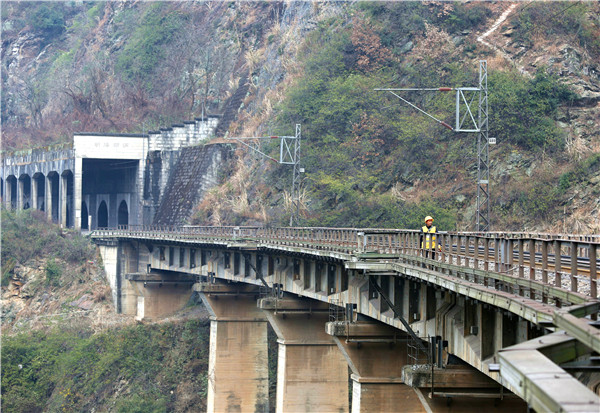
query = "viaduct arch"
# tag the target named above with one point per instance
(70, 181)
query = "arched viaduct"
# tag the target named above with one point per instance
(494, 316)
(99, 180)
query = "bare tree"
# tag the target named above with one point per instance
(35, 98)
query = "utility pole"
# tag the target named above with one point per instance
(467, 122)
(289, 154)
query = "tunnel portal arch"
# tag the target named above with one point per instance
(25, 195)
(11, 191)
(102, 215)
(123, 214)
(38, 186)
(84, 215)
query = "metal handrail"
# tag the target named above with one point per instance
(528, 255)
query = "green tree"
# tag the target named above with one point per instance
(48, 19)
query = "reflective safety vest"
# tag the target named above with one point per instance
(429, 237)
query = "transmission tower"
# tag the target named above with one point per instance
(289, 154)
(468, 122)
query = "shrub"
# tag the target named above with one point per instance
(53, 272)
(558, 19)
(144, 52)
(71, 370)
(464, 17)
(26, 235)
(522, 111)
(48, 19)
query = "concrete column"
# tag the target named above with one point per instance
(312, 374)
(238, 378)
(20, 192)
(48, 198)
(62, 191)
(376, 355)
(77, 193)
(7, 194)
(136, 210)
(34, 194)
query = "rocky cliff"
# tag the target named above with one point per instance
(135, 66)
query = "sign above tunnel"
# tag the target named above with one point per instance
(110, 146)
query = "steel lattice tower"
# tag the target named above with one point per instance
(295, 215)
(483, 153)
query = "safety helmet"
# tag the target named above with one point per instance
(427, 218)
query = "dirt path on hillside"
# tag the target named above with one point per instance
(495, 26)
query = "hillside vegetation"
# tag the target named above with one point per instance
(370, 159)
(63, 347)
(143, 368)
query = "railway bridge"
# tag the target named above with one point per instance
(497, 321)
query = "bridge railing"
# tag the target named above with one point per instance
(565, 261)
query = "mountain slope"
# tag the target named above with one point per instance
(370, 159)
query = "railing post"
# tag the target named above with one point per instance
(442, 238)
(557, 266)
(498, 244)
(360, 236)
(486, 256)
(593, 271)
(532, 259)
(532, 265)
(458, 250)
(521, 264)
(521, 257)
(574, 266)
(511, 255)
(544, 268)
(476, 251)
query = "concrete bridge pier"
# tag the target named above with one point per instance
(238, 373)
(312, 374)
(376, 354)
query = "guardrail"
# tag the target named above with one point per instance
(522, 255)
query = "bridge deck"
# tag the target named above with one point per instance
(548, 280)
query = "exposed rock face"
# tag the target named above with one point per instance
(80, 295)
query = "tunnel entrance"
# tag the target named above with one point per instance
(102, 215)
(110, 179)
(123, 214)
(84, 215)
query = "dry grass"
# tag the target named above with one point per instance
(254, 57)
(303, 200)
(584, 220)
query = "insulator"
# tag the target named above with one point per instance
(446, 125)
